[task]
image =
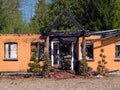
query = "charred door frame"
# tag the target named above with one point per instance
(74, 43)
(81, 32)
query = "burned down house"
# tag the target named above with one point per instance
(64, 47)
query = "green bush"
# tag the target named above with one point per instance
(46, 67)
(83, 67)
(34, 65)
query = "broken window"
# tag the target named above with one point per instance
(89, 51)
(117, 51)
(37, 50)
(11, 50)
(40, 52)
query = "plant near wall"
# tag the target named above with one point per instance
(46, 67)
(84, 67)
(34, 65)
(101, 68)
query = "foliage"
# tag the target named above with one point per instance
(40, 20)
(2, 20)
(83, 67)
(46, 67)
(100, 15)
(101, 69)
(10, 18)
(93, 15)
(34, 65)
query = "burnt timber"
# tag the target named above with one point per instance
(72, 36)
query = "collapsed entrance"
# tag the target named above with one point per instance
(62, 54)
(62, 46)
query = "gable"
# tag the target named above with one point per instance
(70, 17)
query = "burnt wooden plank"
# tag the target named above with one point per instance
(66, 33)
(83, 48)
(56, 22)
(107, 37)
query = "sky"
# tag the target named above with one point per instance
(27, 8)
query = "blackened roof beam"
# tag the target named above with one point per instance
(66, 33)
(55, 22)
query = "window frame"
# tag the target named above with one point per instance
(87, 58)
(40, 57)
(9, 51)
(116, 58)
(37, 46)
(80, 55)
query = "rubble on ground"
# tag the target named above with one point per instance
(63, 74)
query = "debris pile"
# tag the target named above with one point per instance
(63, 74)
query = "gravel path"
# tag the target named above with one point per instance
(66, 84)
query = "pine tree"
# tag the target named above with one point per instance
(12, 17)
(34, 65)
(2, 18)
(93, 15)
(46, 67)
(100, 14)
(39, 21)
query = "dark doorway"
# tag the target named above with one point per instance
(62, 54)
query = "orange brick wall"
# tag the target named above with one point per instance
(108, 46)
(24, 51)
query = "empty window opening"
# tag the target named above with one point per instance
(89, 51)
(117, 51)
(37, 49)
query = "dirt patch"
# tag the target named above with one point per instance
(63, 84)
(61, 74)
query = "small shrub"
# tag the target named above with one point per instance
(33, 57)
(34, 50)
(34, 65)
(84, 67)
(46, 67)
(101, 69)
